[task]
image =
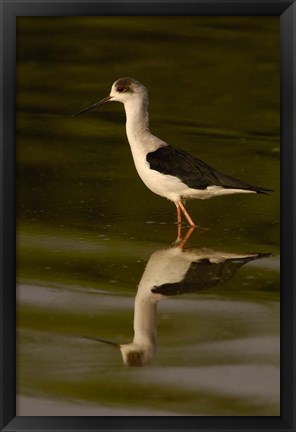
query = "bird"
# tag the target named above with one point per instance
(167, 171)
(170, 272)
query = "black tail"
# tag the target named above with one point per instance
(264, 190)
(233, 183)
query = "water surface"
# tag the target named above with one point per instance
(87, 226)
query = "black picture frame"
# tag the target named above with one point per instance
(10, 9)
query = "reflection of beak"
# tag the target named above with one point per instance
(117, 345)
(101, 102)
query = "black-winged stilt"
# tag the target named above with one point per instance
(171, 272)
(166, 171)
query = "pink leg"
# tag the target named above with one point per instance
(186, 214)
(179, 213)
(188, 234)
(179, 238)
(179, 218)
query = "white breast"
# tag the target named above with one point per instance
(164, 185)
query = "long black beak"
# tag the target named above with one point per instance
(101, 102)
(117, 345)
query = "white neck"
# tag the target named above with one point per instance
(137, 119)
(144, 342)
(139, 136)
(145, 319)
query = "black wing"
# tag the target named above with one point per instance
(204, 274)
(192, 171)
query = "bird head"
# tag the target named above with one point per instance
(123, 90)
(133, 354)
(127, 89)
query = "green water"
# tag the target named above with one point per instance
(87, 226)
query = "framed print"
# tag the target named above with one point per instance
(147, 215)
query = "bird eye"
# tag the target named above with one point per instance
(120, 89)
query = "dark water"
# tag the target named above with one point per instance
(87, 226)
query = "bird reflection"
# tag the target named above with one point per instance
(170, 272)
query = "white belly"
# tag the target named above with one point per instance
(165, 185)
(173, 188)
